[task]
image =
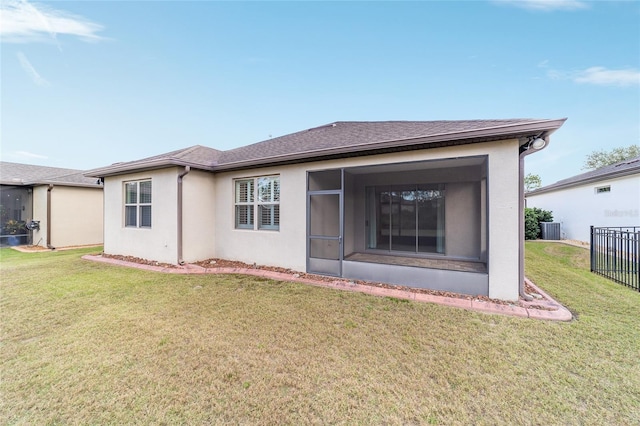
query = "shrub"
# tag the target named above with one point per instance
(532, 218)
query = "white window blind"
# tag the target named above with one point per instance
(257, 197)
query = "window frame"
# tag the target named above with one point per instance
(262, 194)
(139, 204)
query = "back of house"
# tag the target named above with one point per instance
(427, 204)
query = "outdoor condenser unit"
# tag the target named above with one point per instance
(550, 230)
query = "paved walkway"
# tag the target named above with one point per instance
(545, 308)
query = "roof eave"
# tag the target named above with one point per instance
(454, 138)
(124, 168)
(74, 184)
(612, 175)
(50, 182)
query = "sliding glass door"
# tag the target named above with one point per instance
(406, 218)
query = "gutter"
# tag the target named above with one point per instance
(526, 149)
(181, 176)
(49, 189)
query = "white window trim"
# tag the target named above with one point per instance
(138, 205)
(255, 203)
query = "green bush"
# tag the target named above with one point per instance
(532, 218)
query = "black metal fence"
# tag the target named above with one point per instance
(615, 254)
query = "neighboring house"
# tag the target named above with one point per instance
(609, 196)
(61, 206)
(435, 205)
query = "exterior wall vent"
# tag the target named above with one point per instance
(550, 230)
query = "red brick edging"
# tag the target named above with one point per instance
(555, 311)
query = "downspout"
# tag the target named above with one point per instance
(49, 189)
(187, 169)
(526, 150)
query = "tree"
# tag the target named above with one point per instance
(601, 158)
(532, 182)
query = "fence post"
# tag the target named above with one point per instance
(591, 249)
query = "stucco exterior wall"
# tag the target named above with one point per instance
(462, 222)
(40, 214)
(578, 208)
(287, 247)
(503, 235)
(156, 243)
(209, 226)
(76, 216)
(198, 216)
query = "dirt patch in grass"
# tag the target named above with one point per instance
(139, 260)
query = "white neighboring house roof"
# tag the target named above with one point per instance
(621, 169)
(18, 174)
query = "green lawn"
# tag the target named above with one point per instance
(88, 343)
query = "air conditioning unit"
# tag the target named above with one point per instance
(550, 230)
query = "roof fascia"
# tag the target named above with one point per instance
(509, 131)
(612, 175)
(59, 183)
(52, 182)
(124, 168)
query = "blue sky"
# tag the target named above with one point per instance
(86, 84)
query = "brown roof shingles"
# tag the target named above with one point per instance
(342, 137)
(353, 133)
(28, 174)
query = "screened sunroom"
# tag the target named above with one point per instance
(420, 224)
(15, 209)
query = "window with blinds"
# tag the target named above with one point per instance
(257, 198)
(137, 204)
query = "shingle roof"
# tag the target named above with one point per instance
(197, 156)
(28, 174)
(352, 134)
(623, 168)
(343, 138)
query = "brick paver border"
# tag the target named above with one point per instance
(554, 311)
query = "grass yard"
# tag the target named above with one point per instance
(88, 343)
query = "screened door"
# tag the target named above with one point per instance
(324, 223)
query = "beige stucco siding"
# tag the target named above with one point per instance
(156, 243)
(76, 216)
(463, 220)
(198, 216)
(287, 247)
(40, 214)
(503, 233)
(209, 225)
